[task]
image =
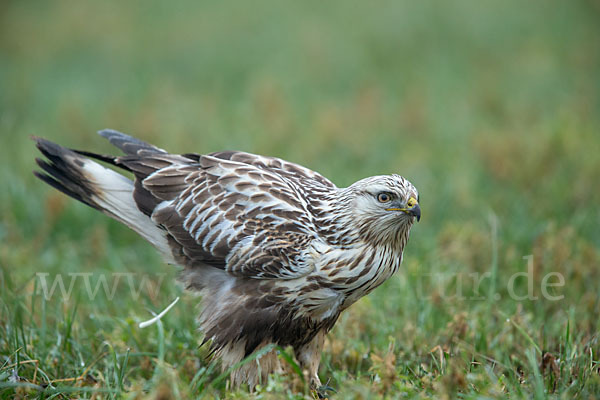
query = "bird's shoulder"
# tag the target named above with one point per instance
(293, 172)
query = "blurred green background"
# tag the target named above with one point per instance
(492, 109)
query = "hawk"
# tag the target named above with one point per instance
(276, 250)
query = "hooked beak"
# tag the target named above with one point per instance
(412, 209)
(415, 211)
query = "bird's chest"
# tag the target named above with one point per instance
(362, 274)
(373, 278)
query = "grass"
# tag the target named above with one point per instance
(492, 110)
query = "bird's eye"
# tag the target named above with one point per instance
(383, 197)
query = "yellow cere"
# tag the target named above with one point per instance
(411, 202)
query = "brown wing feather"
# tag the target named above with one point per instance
(244, 218)
(294, 172)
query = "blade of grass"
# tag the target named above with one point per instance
(538, 381)
(291, 362)
(202, 376)
(523, 333)
(122, 369)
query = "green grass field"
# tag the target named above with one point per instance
(492, 109)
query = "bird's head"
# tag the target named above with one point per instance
(384, 207)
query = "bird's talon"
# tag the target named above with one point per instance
(322, 391)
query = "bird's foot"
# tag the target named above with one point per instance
(323, 391)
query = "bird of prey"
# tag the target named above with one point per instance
(276, 250)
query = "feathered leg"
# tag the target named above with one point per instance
(253, 372)
(309, 357)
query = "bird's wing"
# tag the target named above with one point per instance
(290, 171)
(248, 219)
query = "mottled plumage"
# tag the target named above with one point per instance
(276, 250)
